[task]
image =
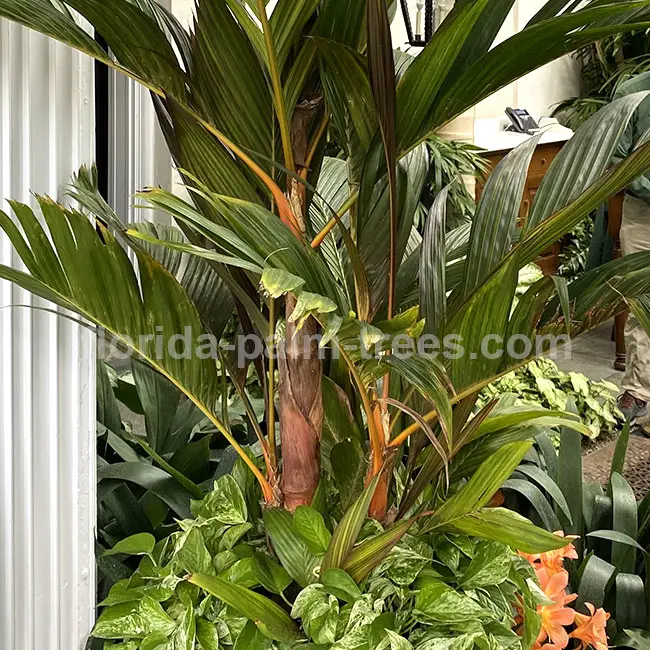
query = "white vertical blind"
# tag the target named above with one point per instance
(138, 154)
(47, 389)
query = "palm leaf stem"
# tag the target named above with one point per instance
(329, 226)
(313, 148)
(270, 417)
(376, 441)
(278, 94)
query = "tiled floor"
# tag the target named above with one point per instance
(593, 355)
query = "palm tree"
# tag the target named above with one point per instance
(247, 101)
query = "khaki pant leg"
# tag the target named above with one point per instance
(635, 238)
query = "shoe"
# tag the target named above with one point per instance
(631, 407)
(644, 427)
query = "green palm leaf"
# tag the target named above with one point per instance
(136, 40)
(579, 163)
(523, 52)
(226, 74)
(89, 273)
(496, 215)
(433, 260)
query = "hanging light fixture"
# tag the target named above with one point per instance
(424, 21)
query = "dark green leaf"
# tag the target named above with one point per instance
(289, 547)
(346, 533)
(507, 527)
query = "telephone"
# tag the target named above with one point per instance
(522, 122)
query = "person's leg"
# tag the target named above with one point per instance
(635, 237)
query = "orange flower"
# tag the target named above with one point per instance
(553, 561)
(556, 616)
(590, 630)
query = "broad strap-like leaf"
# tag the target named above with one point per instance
(537, 500)
(373, 228)
(550, 9)
(542, 478)
(229, 81)
(273, 621)
(287, 21)
(496, 215)
(292, 552)
(196, 150)
(487, 479)
(159, 399)
(348, 92)
(484, 32)
(595, 580)
(508, 527)
(371, 552)
(381, 72)
(91, 275)
(522, 415)
(480, 321)
(151, 478)
(624, 520)
(550, 230)
(346, 533)
(579, 163)
(433, 261)
(569, 476)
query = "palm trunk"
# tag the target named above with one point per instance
(301, 412)
(300, 397)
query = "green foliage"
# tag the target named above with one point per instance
(450, 161)
(542, 382)
(214, 583)
(156, 453)
(613, 528)
(433, 566)
(605, 65)
(574, 256)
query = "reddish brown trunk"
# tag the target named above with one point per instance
(301, 401)
(301, 412)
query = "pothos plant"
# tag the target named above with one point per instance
(542, 382)
(434, 590)
(244, 103)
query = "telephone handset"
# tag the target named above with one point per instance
(521, 120)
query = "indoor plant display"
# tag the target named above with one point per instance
(360, 428)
